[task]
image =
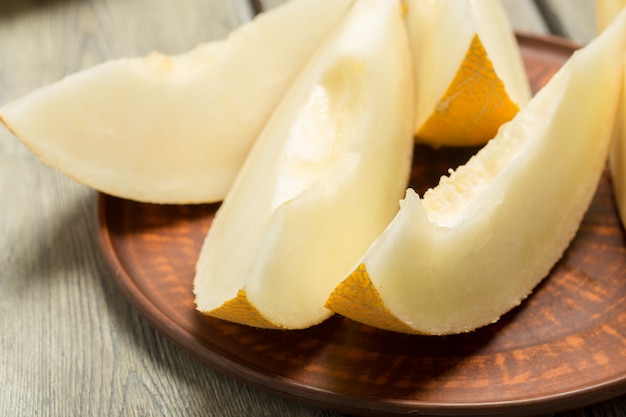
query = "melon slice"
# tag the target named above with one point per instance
(468, 68)
(606, 11)
(173, 129)
(617, 156)
(321, 183)
(477, 244)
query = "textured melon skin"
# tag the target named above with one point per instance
(173, 129)
(321, 183)
(476, 245)
(468, 68)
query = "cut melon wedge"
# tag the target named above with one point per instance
(477, 244)
(321, 183)
(617, 156)
(173, 129)
(606, 11)
(468, 68)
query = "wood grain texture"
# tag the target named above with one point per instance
(70, 343)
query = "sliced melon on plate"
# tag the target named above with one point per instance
(322, 181)
(173, 129)
(477, 244)
(468, 68)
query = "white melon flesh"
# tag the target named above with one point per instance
(606, 11)
(617, 156)
(321, 183)
(173, 129)
(468, 70)
(476, 245)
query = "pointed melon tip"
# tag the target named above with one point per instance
(239, 310)
(357, 298)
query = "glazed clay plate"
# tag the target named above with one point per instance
(564, 347)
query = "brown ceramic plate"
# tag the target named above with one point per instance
(564, 347)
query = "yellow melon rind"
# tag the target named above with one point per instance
(240, 310)
(357, 298)
(477, 97)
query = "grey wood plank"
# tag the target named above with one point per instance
(47, 34)
(574, 19)
(523, 14)
(70, 343)
(269, 4)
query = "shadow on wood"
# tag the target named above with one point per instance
(12, 8)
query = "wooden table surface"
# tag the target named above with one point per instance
(70, 343)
